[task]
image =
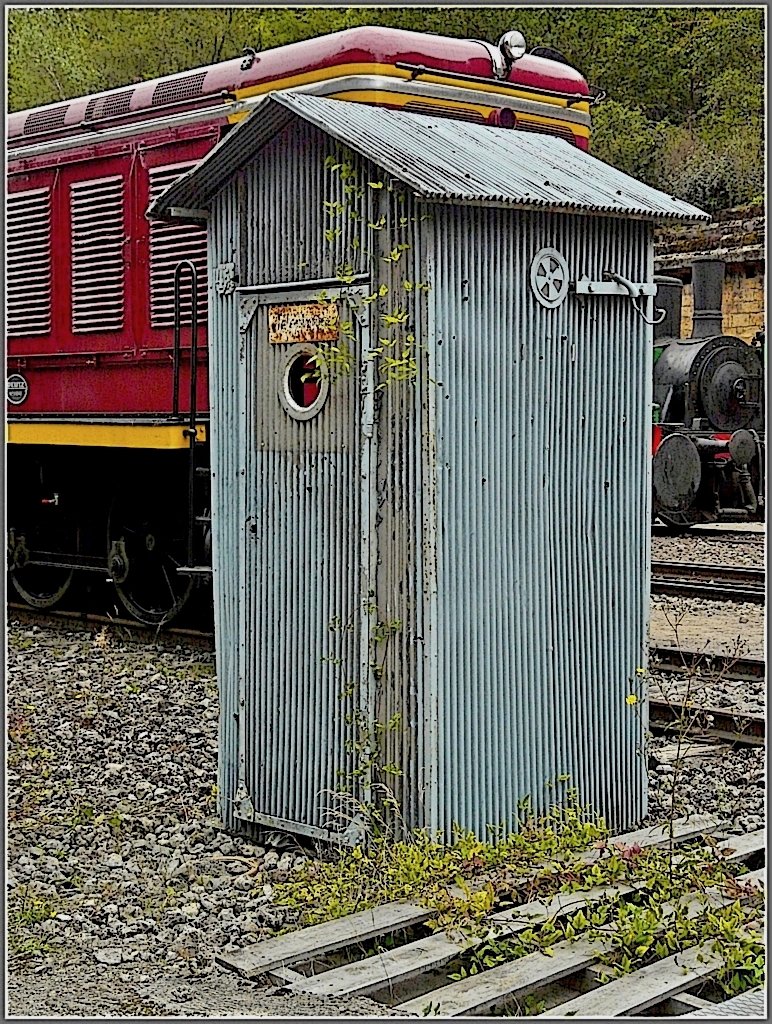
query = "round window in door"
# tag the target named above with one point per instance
(303, 387)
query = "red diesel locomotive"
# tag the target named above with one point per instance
(108, 459)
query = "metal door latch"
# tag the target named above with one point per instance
(615, 284)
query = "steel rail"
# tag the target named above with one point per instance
(55, 617)
(713, 533)
(725, 666)
(717, 582)
(675, 716)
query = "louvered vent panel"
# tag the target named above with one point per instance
(28, 262)
(46, 120)
(109, 106)
(434, 108)
(179, 89)
(96, 208)
(170, 243)
(547, 129)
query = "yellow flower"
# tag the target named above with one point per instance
(631, 698)
(640, 671)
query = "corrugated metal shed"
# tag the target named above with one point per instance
(453, 568)
(441, 160)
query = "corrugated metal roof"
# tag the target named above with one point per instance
(442, 160)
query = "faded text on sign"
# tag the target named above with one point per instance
(306, 321)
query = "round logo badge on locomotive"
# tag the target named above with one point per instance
(16, 389)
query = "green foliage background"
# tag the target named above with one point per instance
(685, 85)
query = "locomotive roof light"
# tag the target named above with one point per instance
(512, 45)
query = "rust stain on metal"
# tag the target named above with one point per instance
(303, 321)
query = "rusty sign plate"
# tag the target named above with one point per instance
(303, 321)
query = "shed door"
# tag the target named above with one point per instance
(308, 556)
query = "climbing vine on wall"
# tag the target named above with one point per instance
(394, 348)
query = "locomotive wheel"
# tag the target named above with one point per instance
(144, 551)
(679, 522)
(40, 586)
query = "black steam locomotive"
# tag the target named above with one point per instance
(708, 434)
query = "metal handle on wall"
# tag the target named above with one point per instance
(636, 296)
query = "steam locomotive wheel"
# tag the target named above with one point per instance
(144, 551)
(680, 522)
(39, 586)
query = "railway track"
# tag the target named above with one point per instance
(714, 533)
(716, 582)
(127, 629)
(661, 659)
(664, 715)
(727, 666)
(670, 715)
(674, 717)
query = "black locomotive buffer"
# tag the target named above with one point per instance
(709, 465)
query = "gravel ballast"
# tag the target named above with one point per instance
(710, 779)
(696, 624)
(711, 690)
(746, 550)
(121, 886)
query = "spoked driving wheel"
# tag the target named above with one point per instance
(38, 584)
(42, 586)
(145, 548)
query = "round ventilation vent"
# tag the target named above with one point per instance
(549, 277)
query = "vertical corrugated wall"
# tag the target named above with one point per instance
(542, 506)
(405, 503)
(227, 399)
(302, 610)
(294, 531)
(300, 218)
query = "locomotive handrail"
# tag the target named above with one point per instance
(420, 69)
(191, 429)
(181, 266)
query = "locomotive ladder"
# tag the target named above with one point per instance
(199, 489)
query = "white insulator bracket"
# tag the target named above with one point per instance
(584, 286)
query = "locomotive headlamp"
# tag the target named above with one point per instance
(512, 45)
(743, 446)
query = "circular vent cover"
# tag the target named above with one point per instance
(549, 277)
